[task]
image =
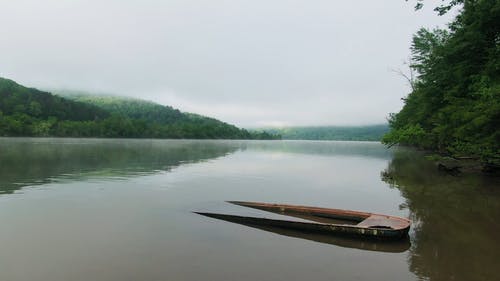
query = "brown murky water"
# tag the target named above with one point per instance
(84, 209)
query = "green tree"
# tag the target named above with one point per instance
(455, 105)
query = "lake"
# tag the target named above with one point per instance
(98, 209)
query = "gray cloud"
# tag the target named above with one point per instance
(251, 63)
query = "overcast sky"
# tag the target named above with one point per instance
(251, 63)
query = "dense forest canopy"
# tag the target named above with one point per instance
(126, 106)
(345, 133)
(30, 112)
(16, 99)
(454, 107)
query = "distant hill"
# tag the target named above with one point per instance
(347, 133)
(17, 99)
(130, 107)
(189, 125)
(31, 112)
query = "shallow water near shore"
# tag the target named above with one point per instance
(100, 209)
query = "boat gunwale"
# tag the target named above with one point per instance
(361, 216)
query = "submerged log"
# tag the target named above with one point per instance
(451, 168)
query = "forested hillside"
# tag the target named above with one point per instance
(165, 117)
(130, 107)
(454, 107)
(30, 112)
(16, 99)
(354, 133)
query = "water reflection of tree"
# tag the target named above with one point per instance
(327, 148)
(455, 234)
(26, 162)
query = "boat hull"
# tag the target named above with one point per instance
(314, 227)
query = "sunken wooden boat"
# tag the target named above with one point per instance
(345, 241)
(324, 221)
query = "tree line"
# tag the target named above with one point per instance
(454, 105)
(31, 112)
(343, 133)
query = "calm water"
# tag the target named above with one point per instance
(73, 209)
